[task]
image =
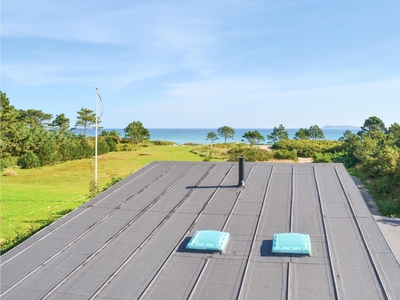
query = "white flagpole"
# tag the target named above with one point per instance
(95, 149)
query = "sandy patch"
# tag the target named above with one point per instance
(265, 147)
(305, 160)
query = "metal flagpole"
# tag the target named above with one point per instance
(95, 149)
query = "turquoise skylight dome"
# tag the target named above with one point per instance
(292, 243)
(209, 240)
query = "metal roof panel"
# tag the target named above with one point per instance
(130, 240)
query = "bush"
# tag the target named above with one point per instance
(29, 160)
(209, 152)
(9, 161)
(385, 190)
(389, 207)
(102, 147)
(308, 148)
(285, 154)
(347, 160)
(127, 147)
(47, 153)
(251, 154)
(333, 157)
(114, 180)
(85, 150)
(322, 158)
(111, 143)
(74, 147)
(228, 145)
(162, 143)
(65, 151)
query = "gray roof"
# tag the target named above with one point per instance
(129, 242)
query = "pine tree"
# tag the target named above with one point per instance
(86, 118)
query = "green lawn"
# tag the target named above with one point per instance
(36, 197)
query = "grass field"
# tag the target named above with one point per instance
(36, 197)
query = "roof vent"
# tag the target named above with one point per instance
(241, 172)
(294, 243)
(209, 240)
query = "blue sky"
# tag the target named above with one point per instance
(205, 64)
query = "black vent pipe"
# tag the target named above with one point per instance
(241, 172)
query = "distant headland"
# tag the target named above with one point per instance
(340, 127)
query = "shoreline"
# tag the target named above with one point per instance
(182, 136)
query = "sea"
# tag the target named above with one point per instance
(182, 136)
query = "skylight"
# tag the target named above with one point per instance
(209, 240)
(293, 243)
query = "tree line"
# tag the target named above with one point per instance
(373, 153)
(278, 133)
(32, 138)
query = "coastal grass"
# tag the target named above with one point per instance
(33, 198)
(389, 205)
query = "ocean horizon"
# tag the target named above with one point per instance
(182, 136)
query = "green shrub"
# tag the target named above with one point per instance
(322, 158)
(75, 147)
(114, 180)
(111, 143)
(65, 151)
(47, 154)
(102, 147)
(29, 160)
(347, 160)
(340, 157)
(251, 154)
(285, 154)
(389, 207)
(307, 148)
(8, 161)
(162, 143)
(209, 151)
(228, 145)
(385, 190)
(127, 147)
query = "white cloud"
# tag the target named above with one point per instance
(265, 102)
(188, 63)
(116, 46)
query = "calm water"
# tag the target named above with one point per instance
(199, 135)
